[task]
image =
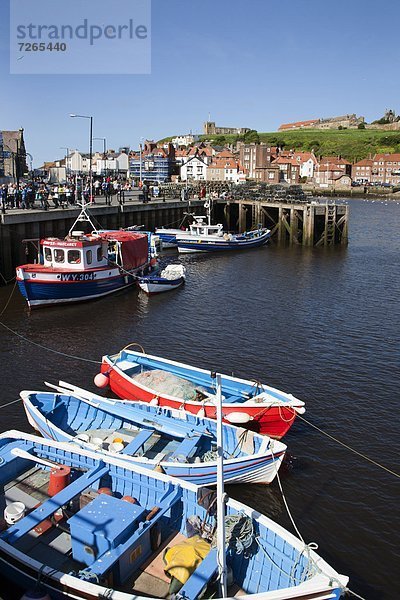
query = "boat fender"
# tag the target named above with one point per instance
(238, 418)
(101, 380)
(154, 401)
(201, 413)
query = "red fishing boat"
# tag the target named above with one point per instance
(139, 376)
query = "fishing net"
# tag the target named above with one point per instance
(162, 382)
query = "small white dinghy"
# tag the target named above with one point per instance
(169, 278)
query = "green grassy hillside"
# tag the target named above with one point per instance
(353, 144)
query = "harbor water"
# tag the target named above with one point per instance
(320, 323)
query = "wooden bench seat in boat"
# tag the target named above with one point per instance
(186, 449)
(201, 577)
(127, 365)
(134, 446)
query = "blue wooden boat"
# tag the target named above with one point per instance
(85, 526)
(178, 443)
(169, 278)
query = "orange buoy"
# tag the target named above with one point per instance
(101, 380)
(129, 499)
(59, 479)
(105, 490)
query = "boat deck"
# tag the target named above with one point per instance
(50, 541)
(155, 447)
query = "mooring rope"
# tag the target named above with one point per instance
(97, 362)
(364, 456)
(311, 545)
(9, 299)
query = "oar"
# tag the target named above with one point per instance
(29, 456)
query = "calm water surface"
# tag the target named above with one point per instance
(321, 324)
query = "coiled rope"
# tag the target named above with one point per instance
(239, 533)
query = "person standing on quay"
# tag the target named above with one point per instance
(145, 192)
(3, 197)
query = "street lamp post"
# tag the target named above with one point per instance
(16, 161)
(140, 159)
(90, 152)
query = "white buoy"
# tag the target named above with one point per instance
(238, 418)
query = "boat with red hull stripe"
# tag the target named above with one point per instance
(133, 376)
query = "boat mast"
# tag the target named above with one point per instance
(83, 217)
(220, 492)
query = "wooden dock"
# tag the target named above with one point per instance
(308, 224)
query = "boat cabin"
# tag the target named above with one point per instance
(201, 227)
(77, 251)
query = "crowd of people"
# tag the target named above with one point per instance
(39, 194)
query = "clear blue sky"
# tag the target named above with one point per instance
(255, 64)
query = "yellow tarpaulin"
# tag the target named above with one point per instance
(183, 559)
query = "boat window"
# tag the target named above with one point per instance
(99, 254)
(74, 256)
(89, 257)
(47, 253)
(59, 255)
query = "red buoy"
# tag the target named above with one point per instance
(59, 479)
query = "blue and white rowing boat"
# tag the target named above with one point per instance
(170, 278)
(179, 443)
(86, 526)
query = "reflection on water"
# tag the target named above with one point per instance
(319, 323)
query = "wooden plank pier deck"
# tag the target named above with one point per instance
(303, 223)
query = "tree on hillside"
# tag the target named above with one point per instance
(251, 137)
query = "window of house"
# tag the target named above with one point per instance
(59, 255)
(89, 257)
(74, 257)
(47, 253)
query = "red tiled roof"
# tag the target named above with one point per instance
(387, 157)
(365, 162)
(224, 154)
(331, 168)
(298, 124)
(281, 160)
(334, 159)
